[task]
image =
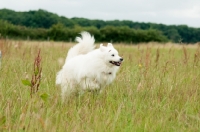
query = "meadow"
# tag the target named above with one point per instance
(157, 89)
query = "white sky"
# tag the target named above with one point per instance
(157, 11)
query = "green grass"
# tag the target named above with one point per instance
(156, 89)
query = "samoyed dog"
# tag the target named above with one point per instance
(87, 68)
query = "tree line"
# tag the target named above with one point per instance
(42, 25)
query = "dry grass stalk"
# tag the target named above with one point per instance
(157, 56)
(196, 57)
(36, 77)
(140, 58)
(165, 68)
(185, 55)
(147, 59)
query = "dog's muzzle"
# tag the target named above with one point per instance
(117, 63)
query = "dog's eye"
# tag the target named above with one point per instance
(112, 55)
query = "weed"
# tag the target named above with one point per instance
(36, 77)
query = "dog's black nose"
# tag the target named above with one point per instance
(121, 59)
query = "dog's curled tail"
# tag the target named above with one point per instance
(85, 45)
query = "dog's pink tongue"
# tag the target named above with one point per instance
(119, 63)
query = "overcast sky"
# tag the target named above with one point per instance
(168, 12)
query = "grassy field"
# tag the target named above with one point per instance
(157, 89)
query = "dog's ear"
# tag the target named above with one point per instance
(102, 48)
(109, 45)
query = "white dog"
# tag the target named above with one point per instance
(88, 68)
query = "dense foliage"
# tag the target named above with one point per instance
(42, 25)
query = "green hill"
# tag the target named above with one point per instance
(126, 31)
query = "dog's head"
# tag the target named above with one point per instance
(111, 55)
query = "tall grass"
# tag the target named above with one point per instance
(156, 89)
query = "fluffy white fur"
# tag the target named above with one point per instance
(88, 68)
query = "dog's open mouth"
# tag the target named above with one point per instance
(116, 63)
